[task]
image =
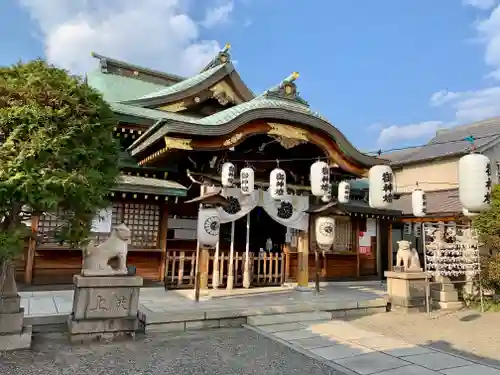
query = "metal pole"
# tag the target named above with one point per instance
(230, 275)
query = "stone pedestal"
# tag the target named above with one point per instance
(445, 295)
(407, 289)
(13, 335)
(104, 307)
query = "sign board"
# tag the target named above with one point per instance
(103, 221)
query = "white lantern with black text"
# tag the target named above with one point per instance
(325, 232)
(419, 203)
(381, 186)
(208, 226)
(328, 196)
(344, 192)
(474, 182)
(247, 181)
(228, 173)
(277, 184)
(320, 178)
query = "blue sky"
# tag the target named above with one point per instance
(387, 73)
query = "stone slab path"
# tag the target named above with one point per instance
(358, 351)
(157, 300)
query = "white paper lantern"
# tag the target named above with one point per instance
(247, 181)
(277, 184)
(468, 213)
(344, 192)
(325, 232)
(208, 226)
(228, 173)
(381, 186)
(320, 178)
(419, 203)
(328, 196)
(474, 182)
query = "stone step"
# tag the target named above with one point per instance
(261, 320)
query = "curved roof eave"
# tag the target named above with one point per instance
(193, 85)
(269, 114)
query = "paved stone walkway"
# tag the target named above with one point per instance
(157, 300)
(361, 351)
(210, 352)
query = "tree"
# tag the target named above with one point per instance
(487, 225)
(56, 151)
(488, 222)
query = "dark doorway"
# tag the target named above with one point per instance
(262, 227)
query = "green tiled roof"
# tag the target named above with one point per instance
(146, 185)
(117, 88)
(152, 114)
(185, 84)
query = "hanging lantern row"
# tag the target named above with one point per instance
(474, 186)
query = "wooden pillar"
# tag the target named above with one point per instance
(389, 239)
(286, 262)
(204, 259)
(356, 246)
(29, 260)
(246, 270)
(230, 270)
(215, 273)
(163, 241)
(303, 259)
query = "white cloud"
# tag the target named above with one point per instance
(218, 15)
(155, 33)
(481, 4)
(402, 133)
(467, 106)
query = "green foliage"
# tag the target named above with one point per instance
(56, 150)
(488, 223)
(490, 272)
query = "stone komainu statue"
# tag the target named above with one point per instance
(409, 257)
(96, 258)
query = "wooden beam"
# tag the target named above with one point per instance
(427, 218)
(163, 240)
(29, 260)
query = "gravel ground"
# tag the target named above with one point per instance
(217, 352)
(466, 332)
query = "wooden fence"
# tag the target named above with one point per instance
(267, 269)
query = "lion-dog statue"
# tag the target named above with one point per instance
(409, 257)
(96, 258)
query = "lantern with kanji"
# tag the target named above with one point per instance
(328, 196)
(320, 178)
(419, 203)
(277, 184)
(381, 186)
(228, 173)
(325, 232)
(247, 181)
(344, 192)
(474, 182)
(208, 226)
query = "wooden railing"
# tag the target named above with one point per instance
(267, 269)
